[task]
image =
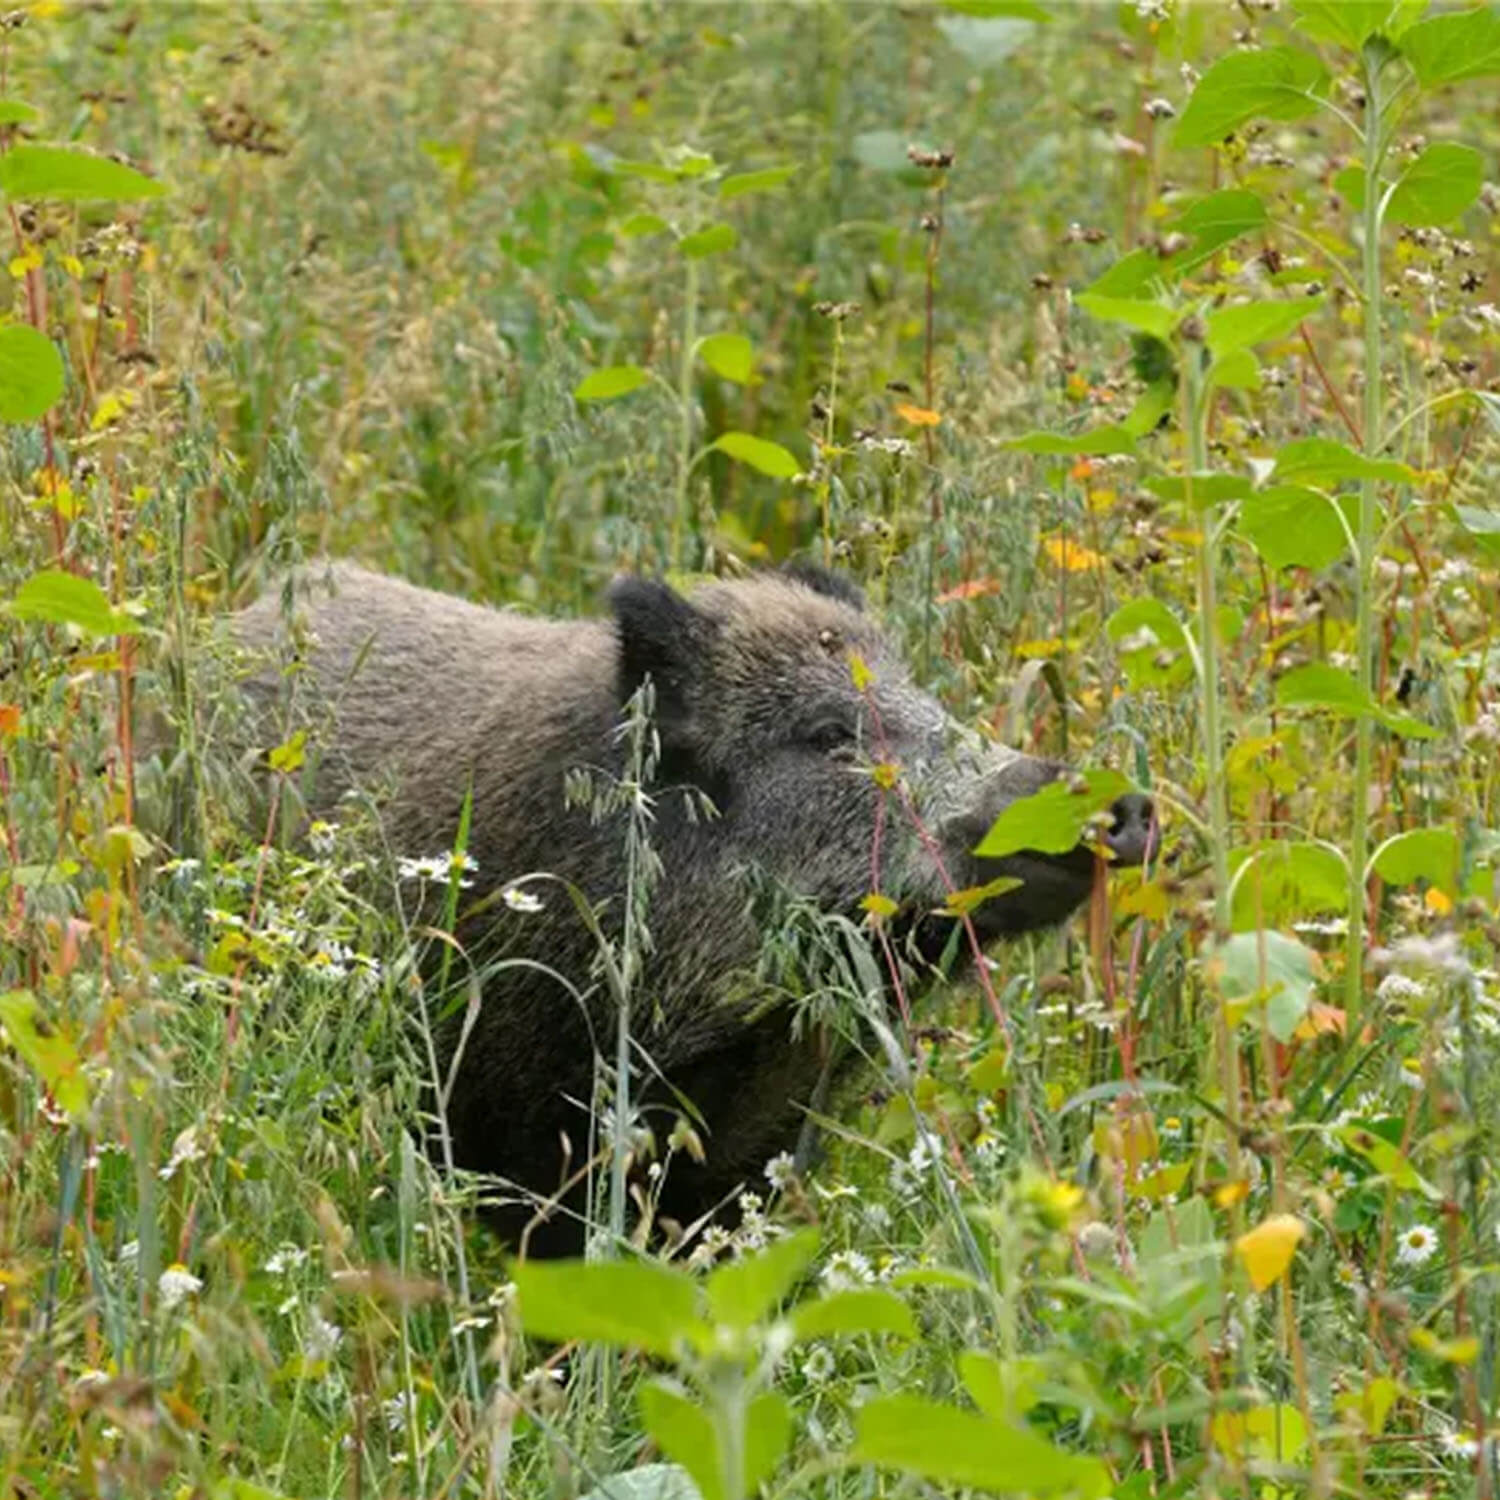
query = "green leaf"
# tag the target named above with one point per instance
(1154, 318)
(766, 180)
(1292, 526)
(1133, 274)
(62, 598)
(1387, 1159)
(1241, 327)
(1429, 854)
(1216, 219)
(1096, 442)
(1021, 10)
(684, 1432)
(610, 382)
(1482, 525)
(17, 112)
(1053, 820)
(1152, 644)
(1268, 967)
(729, 355)
(1323, 461)
(638, 226)
(945, 1445)
(31, 373)
(858, 1310)
(713, 240)
(58, 172)
(769, 458)
(1205, 490)
(1461, 44)
(1239, 370)
(1285, 881)
(768, 1430)
(1437, 187)
(742, 1292)
(1001, 1388)
(1317, 685)
(1275, 83)
(634, 1303)
(1350, 23)
(1152, 405)
(49, 1053)
(984, 41)
(647, 1482)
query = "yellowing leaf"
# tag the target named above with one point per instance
(1231, 1193)
(1163, 1183)
(1070, 555)
(918, 416)
(30, 259)
(1459, 1351)
(879, 906)
(1267, 1249)
(861, 674)
(290, 756)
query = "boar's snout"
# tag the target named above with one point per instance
(1052, 885)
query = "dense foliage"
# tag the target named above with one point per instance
(1141, 363)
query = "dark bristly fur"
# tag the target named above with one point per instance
(427, 696)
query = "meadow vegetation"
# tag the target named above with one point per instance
(1140, 362)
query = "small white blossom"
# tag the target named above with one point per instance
(1396, 988)
(1460, 1445)
(176, 1284)
(321, 1338)
(321, 837)
(1416, 1245)
(847, 1268)
(185, 1148)
(396, 1411)
(1410, 1072)
(522, 901)
(819, 1367)
(285, 1258)
(781, 1171)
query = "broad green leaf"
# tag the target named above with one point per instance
(31, 373)
(768, 1430)
(1239, 370)
(713, 240)
(1437, 187)
(1482, 525)
(59, 172)
(1274, 83)
(1322, 461)
(766, 180)
(62, 598)
(646, 171)
(949, 1446)
(1151, 642)
(1097, 442)
(17, 112)
(1022, 10)
(1132, 275)
(1001, 1388)
(1203, 491)
(610, 382)
(47, 1051)
(1053, 820)
(1317, 685)
(885, 151)
(1293, 526)
(1216, 220)
(1460, 44)
(1429, 854)
(1284, 881)
(1151, 406)
(986, 40)
(1269, 967)
(1153, 318)
(647, 1482)
(638, 226)
(859, 1310)
(634, 1303)
(1251, 323)
(729, 355)
(1349, 23)
(742, 1292)
(685, 1433)
(769, 458)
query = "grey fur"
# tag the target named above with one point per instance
(426, 695)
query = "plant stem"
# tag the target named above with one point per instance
(685, 404)
(1354, 959)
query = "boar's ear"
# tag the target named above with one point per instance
(663, 635)
(823, 580)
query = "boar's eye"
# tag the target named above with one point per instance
(828, 735)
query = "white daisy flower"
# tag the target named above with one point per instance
(321, 1338)
(1415, 1246)
(780, 1171)
(176, 1284)
(819, 1366)
(522, 901)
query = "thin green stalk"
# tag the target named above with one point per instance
(685, 405)
(1354, 959)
